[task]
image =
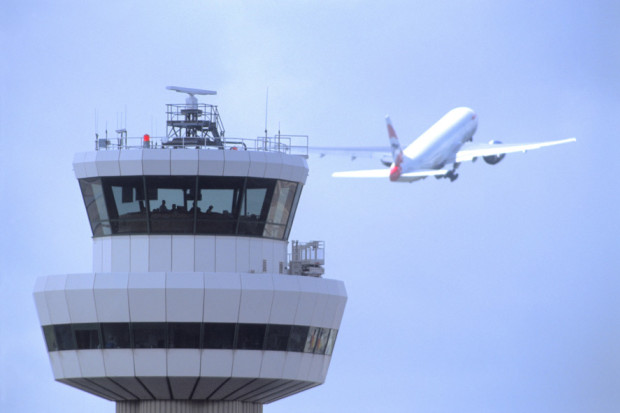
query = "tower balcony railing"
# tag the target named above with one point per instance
(288, 144)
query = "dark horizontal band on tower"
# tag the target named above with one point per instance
(232, 336)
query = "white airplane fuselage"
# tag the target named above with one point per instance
(438, 145)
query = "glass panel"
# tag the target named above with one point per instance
(297, 340)
(331, 342)
(115, 335)
(50, 338)
(126, 204)
(291, 215)
(64, 337)
(170, 200)
(184, 335)
(86, 336)
(321, 342)
(280, 209)
(219, 335)
(92, 192)
(251, 336)
(149, 335)
(311, 340)
(255, 205)
(277, 337)
(218, 204)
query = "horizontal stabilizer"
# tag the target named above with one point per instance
(367, 173)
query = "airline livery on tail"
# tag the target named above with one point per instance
(447, 142)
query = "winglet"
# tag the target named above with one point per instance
(397, 152)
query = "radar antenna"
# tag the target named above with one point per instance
(193, 123)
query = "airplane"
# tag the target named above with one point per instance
(448, 142)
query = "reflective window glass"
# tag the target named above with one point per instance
(64, 337)
(126, 204)
(255, 206)
(250, 336)
(219, 335)
(86, 336)
(218, 204)
(329, 349)
(94, 201)
(149, 335)
(184, 335)
(171, 202)
(115, 335)
(50, 338)
(321, 341)
(297, 340)
(280, 208)
(311, 340)
(277, 337)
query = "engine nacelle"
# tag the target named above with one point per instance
(494, 159)
(387, 160)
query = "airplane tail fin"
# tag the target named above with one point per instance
(397, 152)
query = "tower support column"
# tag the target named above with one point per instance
(187, 406)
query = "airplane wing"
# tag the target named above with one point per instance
(471, 151)
(351, 151)
(385, 173)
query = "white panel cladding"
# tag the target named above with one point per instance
(222, 297)
(80, 298)
(256, 254)
(79, 168)
(183, 362)
(111, 297)
(305, 365)
(258, 163)
(294, 168)
(279, 255)
(184, 297)
(273, 364)
(256, 298)
(225, 251)
(160, 253)
(91, 363)
(268, 246)
(246, 363)
(97, 255)
(107, 163)
(216, 363)
(204, 254)
(316, 368)
(70, 363)
(41, 302)
(56, 364)
(56, 300)
(236, 163)
(242, 254)
(118, 362)
(334, 307)
(130, 163)
(150, 362)
(211, 162)
(147, 297)
(90, 166)
(156, 161)
(273, 165)
(120, 254)
(184, 162)
(139, 248)
(319, 309)
(292, 364)
(106, 252)
(285, 299)
(307, 300)
(183, 253)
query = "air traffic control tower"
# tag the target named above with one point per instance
(194, 303)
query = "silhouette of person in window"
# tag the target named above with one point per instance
(163, 207)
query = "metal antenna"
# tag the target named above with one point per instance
(266, 110)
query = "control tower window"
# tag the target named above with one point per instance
(246, 206)
(171, 202)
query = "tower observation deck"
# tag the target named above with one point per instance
(193, 303)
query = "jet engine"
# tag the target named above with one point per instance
(494, 159)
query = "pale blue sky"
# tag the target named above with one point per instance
(495, 293)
